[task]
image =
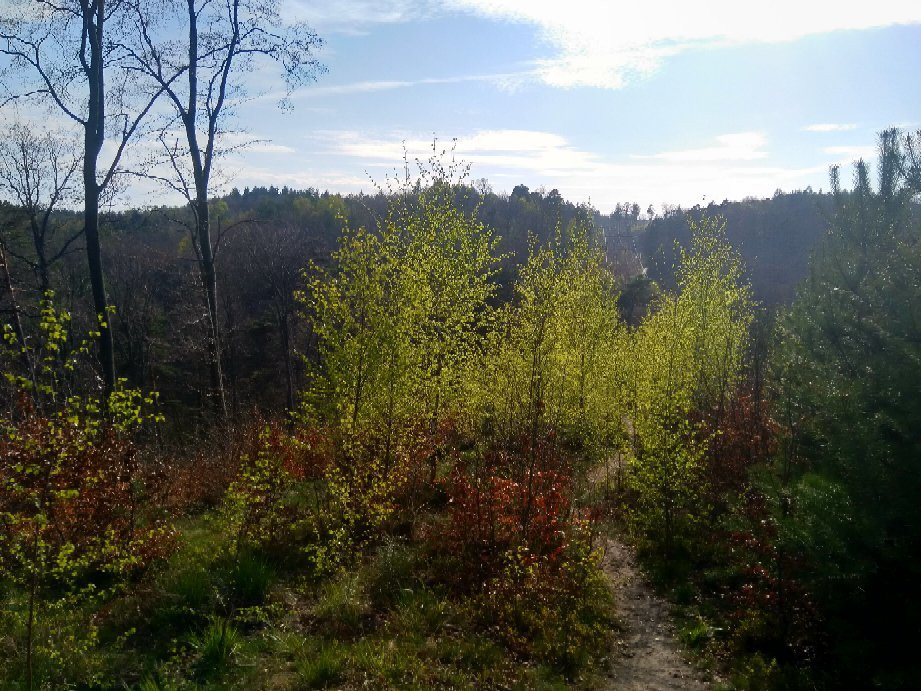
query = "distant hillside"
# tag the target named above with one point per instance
(775, 236)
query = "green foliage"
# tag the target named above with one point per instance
(687, 356)
(71, 527)
(322, 668)
(398, 320)
(394, 571)
(398, 324)
(215, 646)
(553, 355)
(343, 607)
(558, 612)
(257, 501)
(845, 483)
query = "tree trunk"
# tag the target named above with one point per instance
(289, 365)
(94, 135)
(38, 240)
(94, 259)
(209, 279)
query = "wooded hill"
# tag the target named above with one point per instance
(265, 237)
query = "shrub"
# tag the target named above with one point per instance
(258, 505)
(72, 523)
(554, 607)
(510, 501)
(355, 498)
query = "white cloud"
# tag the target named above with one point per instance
(602, 44)
(504, 80)
(830, 127)
(543, 153)
(250, 176)
(743, 146)
(353, 16)
(733, 168)
(605, 44)
(253, 143)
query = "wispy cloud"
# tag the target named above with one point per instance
(846, 154)
(519, 150)
(253, 143)
(354, 16)
(741, 146)
(830, 127)
(504, 80)
(604, 44)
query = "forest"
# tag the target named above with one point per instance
(289, 439)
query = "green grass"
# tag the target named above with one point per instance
(209, 619)
(215, 646)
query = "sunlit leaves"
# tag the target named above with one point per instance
(686, 356)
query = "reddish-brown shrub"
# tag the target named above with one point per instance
(70, 490)
(513, 500)
(741, 435)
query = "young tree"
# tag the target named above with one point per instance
(447, 268)
(847, 485)
(554, 341)
(400, 320)
(687, 358)
(225, 41)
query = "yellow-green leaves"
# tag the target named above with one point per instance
(553, 355)
(400, 318)
(687, 356)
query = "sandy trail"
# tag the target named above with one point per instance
(646, 655)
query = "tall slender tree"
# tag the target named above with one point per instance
(846, 378)
(69, 54)
(225, 40)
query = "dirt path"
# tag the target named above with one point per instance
(646, 655)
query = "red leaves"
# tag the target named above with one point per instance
(511, 502)
(743, 435)
(74, 487)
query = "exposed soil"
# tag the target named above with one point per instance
(646, 655)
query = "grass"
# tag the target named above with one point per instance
(215, 646)
(206, 619)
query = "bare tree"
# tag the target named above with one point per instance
(38, 172)
(225, 41)
(70, 54)
(14, 310)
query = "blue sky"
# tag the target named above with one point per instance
(605, 104)
(660, 101)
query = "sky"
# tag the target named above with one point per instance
(659, 101)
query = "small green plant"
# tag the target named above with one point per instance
(321, 668)
(155, 682)
(343, 607)
(394, 570)
(249, 579)
(216, 645)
